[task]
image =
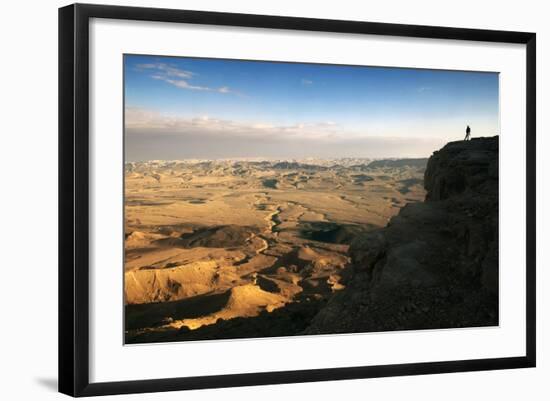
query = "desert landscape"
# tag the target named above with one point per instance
(211, 241)
(266, 199)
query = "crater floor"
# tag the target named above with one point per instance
(229, 249)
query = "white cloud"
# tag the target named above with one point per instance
(185, 85)
(166, 70)
(142, 121)
(137, 119)
(306, 81)
(177, 77)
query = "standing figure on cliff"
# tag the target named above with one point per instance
(467, 133)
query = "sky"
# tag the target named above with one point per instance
(191, 108)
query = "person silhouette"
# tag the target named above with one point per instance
(468, 130)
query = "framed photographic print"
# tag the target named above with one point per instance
(236, 190)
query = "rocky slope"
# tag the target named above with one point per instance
(435, 265)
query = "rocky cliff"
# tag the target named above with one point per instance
(435, 265)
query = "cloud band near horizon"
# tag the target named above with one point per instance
(154, 136)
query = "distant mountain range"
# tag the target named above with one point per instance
(291, 164)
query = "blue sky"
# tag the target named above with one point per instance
(307, 105)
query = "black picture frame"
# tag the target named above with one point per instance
(74, 198)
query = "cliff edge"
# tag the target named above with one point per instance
(435, 265)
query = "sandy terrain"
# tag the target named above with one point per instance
(210, 243)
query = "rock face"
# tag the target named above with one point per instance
(435, 265)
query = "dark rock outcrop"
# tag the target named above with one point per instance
(436, 263)
(227, 236)
(463, 166)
